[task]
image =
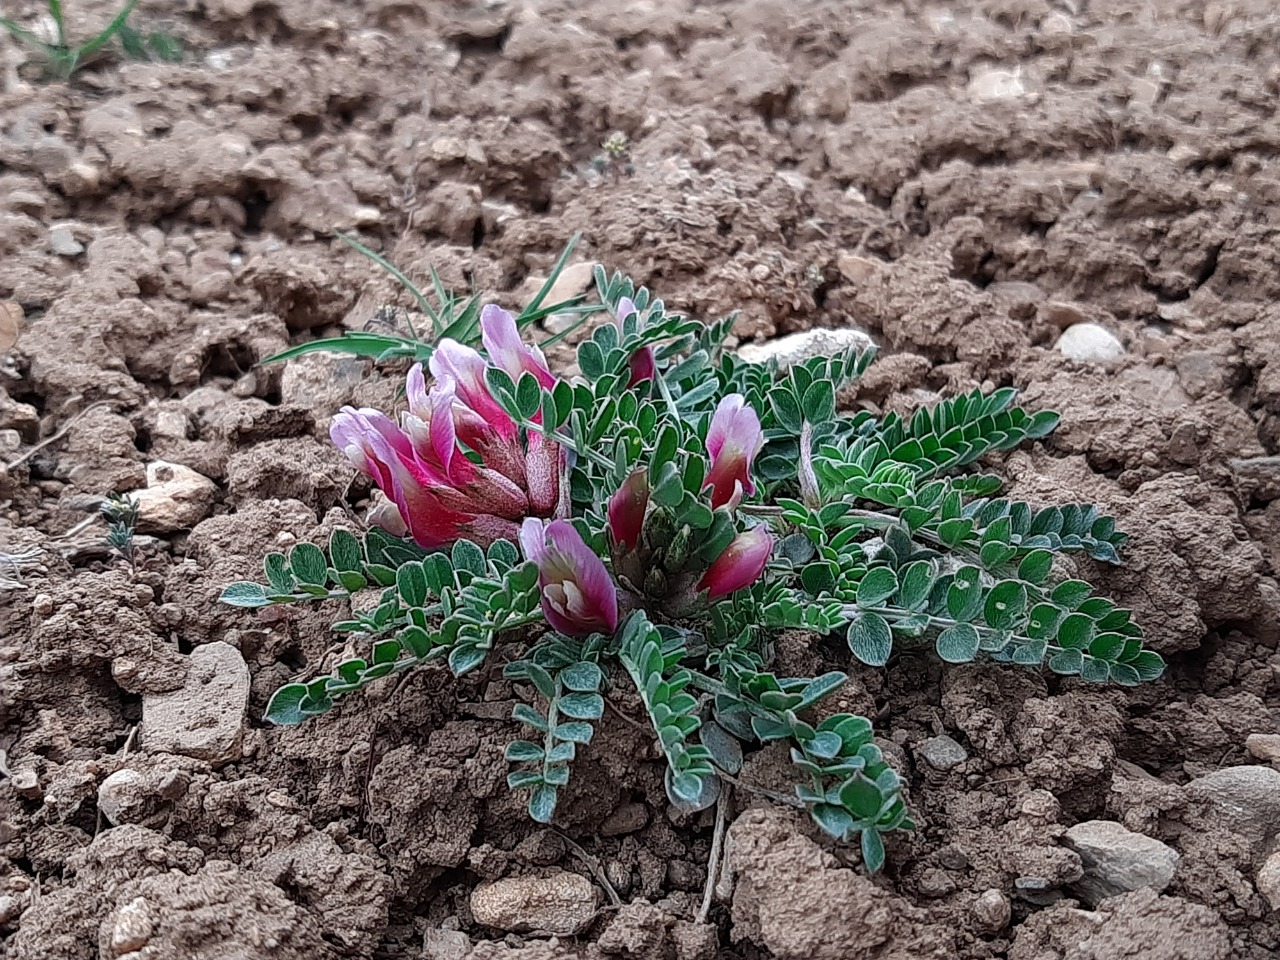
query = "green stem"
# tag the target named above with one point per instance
(549, 740)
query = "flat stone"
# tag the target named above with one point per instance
(205, 717)
(798, 347)
(175, 498)
(1267, 880)
(1117, 860)
(573, 280)
(1246, 799)
(942, 753)
(64, 243)
(1090, 343)
(562, 904)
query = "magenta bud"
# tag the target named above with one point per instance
(627, 509)
(642, 366)
(739, 565)
(733, 441)
(578, 595)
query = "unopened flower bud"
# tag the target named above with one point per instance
(740, 565)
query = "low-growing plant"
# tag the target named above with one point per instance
(120, 511)
(62, 57)
(659, 519)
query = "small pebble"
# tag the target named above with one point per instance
(943, 753)
(63, 242)
(1090, 343)
(562, 904)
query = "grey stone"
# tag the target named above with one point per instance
(562, 904)
(205, 717)
(64, 243)
(942, 753)
(1116, 860)
(120, 794)
(1245, 799)
(798, 347)
(1090, 343)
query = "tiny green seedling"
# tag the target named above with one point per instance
(63, 58)
(121, 513)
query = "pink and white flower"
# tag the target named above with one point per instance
(421, 464)
(733, 441)
(578, 595)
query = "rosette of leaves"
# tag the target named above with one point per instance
(892, 538)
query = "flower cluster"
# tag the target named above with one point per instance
(651, 555)
(457, 465)
(656, 554)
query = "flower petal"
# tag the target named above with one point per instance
(627, 508)
(739, 565)
(734, 438)
(507, 351)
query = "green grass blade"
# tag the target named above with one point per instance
(55, 11)
(27, 37)
(404, 281)
(360, 344)
(556, 338)
(102, 39)
(532, 307)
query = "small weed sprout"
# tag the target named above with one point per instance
(121, 513)
(657, 521)
(62, 58)
(616, 156)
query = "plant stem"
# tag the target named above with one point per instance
(717, 848)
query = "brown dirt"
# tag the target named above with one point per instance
(961, 179)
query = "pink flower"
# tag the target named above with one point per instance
(439, 491)
(641, 363)
(740, 565)
(627, 509)
(578, 595)
(733, 441)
